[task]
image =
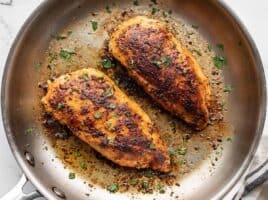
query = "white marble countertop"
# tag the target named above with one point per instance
(254, 14)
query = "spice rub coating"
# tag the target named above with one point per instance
(99, 113)
(166, 71)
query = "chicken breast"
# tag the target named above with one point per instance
(99, 113)
(167, 71)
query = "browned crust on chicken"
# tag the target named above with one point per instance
(167, 71)
(100, 114)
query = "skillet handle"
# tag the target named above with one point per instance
(258, 172)
(17, 193)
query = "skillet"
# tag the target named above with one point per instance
(246, 112)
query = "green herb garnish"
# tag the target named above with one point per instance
(71, 175)
(136, 3)
(171, 151)
(111, 106)
(98, 115)
(209, 47)
(66, 54)
(131, 64)
(134, 181)
(108, 10)
(220, 47)
(85, 77)
(197, 52)
(152, 146)
(107, 64)
(108, 93)
(219, 61)
(154, 1)
(77, 153)
(110, 126)
(113, 187)
(94, 25)
(195, 26)
(145, 185)
(51, 57)
(229, 139)
(57, 36)
(83, 165)
(182, 151)
(29, 130)
(37, 65)
(228, 89)
(166, 60)
(170, 12)
(156, 63)
(160, 188)
(111, 140)
(60, 106)
(154, 10)
(164, 14)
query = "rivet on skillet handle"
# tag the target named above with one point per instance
(58, 192)
(17, 194)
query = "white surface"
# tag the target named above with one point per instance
(254, 14)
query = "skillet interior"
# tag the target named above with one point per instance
(246, 104)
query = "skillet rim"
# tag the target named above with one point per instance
(227, 188)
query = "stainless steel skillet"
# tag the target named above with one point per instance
(218, 24)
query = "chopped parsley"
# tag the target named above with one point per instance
(148, 173)
(209, 47)
(57, 36)
(182, 151)
(160, 188)
(66, 54)
(113, 187)
(111, 140)
(154, 1)
(171, 151)
(131, 64)
(170, 12)
(83, 165)
(94, 25)
(136, 3)
(108, 10)
(197, 52)
(108, 93)
(111, 106)
(156, 63)
(85, 77)
(60, 106)
(107, 64)
(195, 26)
(29, 130)
(98, 115)
(219, 61)
(145, 185)
(51, 57)
(134, 181)
(220, 47)
(77, 153)
(166, 60)
(154, 10)
(228, 89)
(229, 139)
(37, 65)
(110, 126)
(152, 146)
(71, 175)
(164, 14)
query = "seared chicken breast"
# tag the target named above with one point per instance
(166, 70)
(99, 113)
